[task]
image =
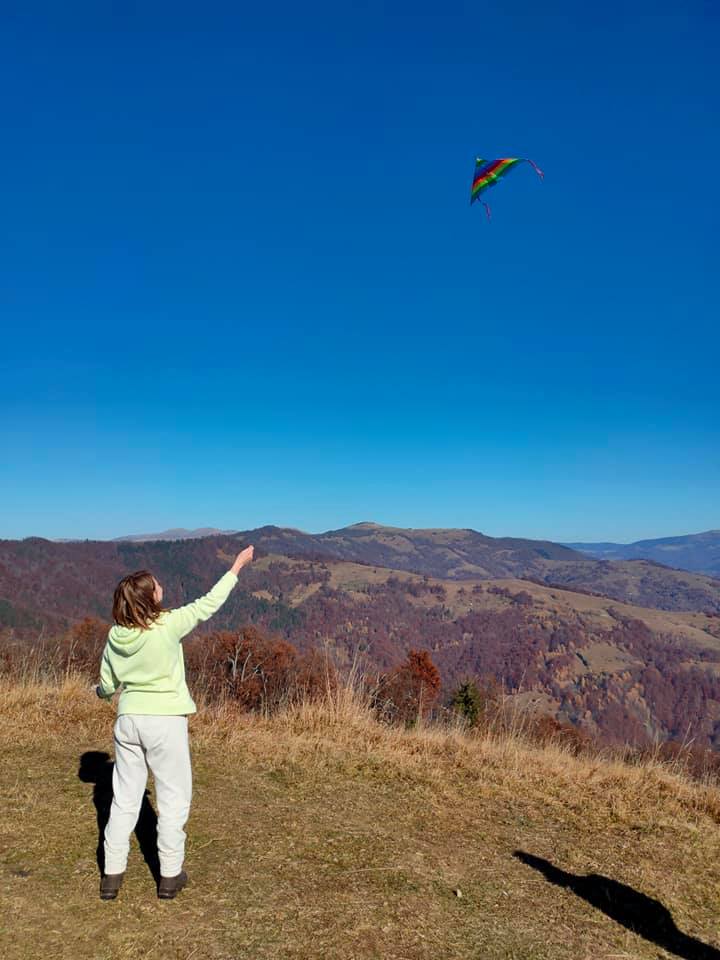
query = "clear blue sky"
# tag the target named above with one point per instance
(240, 281)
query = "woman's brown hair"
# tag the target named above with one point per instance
(134, 603)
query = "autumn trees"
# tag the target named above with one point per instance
(410, 691)
(258, 671)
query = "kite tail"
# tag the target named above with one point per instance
(536, 168)
(487, 209)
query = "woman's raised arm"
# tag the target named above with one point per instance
(185, 619)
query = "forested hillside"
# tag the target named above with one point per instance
(613, 670)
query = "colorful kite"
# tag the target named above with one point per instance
(488, 172)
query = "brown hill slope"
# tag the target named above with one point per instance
(440, 553)
(615, 670)
(467, 554)
(56, 579)
(612, 669)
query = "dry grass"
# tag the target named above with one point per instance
(321, 833)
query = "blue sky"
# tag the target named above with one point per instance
(241, 283)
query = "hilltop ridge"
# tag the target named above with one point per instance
(695, 553)
(452, 554)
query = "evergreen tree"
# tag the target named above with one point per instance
(467, 701)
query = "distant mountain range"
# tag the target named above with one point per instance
(614, 667)
(177, 533)
(699, 552)
(78, 575)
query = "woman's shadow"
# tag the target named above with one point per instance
(96, 767)
(637, 912)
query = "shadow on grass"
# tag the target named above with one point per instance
(96, 767)
(637, 912)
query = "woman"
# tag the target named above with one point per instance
(144, 653)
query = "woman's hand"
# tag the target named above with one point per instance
(242, 559)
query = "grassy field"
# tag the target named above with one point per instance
(320, 833)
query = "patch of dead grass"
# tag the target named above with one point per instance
(321, 833)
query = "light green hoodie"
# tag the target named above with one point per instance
(149, 663)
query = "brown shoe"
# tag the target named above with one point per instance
(169, 886)
(110, 884)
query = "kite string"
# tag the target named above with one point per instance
(487, 209)
(536, 168)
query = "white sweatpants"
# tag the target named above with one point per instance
(161, 743)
